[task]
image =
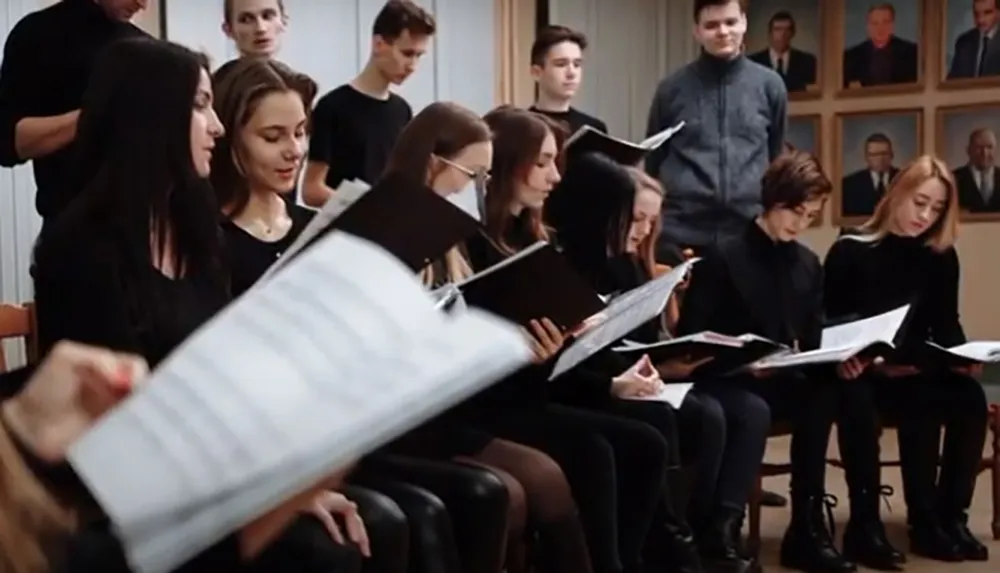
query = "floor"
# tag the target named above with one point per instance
(774, 520)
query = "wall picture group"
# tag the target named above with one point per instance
(863, 48)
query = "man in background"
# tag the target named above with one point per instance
(796, 67)
(883, 58)
(557, 67)
(977, 53)
(978, 181)
(862, 190)
(41, 88)
(355, 126)
(255, 26)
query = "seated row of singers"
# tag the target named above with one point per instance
(579, 474)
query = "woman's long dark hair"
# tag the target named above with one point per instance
(135, 180)
(590, 211)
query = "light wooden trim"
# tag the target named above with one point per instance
(515, 31)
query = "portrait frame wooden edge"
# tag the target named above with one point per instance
(943, 83)
(818, 151)
(940, 114)
(878, 91)
(837, 218)
(817, 92)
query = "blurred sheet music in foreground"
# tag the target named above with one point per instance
(336, 354)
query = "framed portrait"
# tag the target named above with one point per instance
(966, 138)
(970, 45)
(787, 37)
(869, 149)
(881, 45)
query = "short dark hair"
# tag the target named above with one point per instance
(792, 179)
(878, 137)
(700, 5)
(398, 16)
(781, 16)
(551, 36)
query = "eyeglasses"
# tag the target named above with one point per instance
(481, 175)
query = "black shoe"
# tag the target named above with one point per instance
(772, 499)
(866, 543)
(808, 544)
(719, 546)
(928, 539)
(970, 548)
(672, 550)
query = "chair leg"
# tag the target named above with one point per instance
(753, 536)
(994, 421)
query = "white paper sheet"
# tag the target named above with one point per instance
(672, 393)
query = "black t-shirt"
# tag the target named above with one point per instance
(573, 119)
(354, 133)
(249, 257)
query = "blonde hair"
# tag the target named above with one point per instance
(456, 269)
(29, 515)
(944, 232)
(647, 248)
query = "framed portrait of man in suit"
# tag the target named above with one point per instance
(970, 46)
(870, 148)
(881, 44)
(787, 37)
(967, 141)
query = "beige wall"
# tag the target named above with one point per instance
(979, 246)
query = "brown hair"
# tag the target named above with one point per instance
(237, 97)
(398, 16)
(442, 129)
(793, 178)
(29, 515)
(228, 6)
(551, 36)
(943, 233)
(647, 249)
(518, 136)
(700, 5)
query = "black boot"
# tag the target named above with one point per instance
(865, 541)
(808, 544)
(719, 544)
(928, 539)
(673, 547)
(956, 526)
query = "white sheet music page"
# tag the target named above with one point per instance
(339, 352)
(346, 194)
(623, 315)
(672, 393)
(985, 351)
(657, 139)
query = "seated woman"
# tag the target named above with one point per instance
(44, 410)
(449, 148)
(523, 173)
(139, 247)
(768, 284)
(905, 254)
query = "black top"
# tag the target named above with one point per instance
(865, 278)
(354, 133)
(46, 66)
(250, 257)
(752, 284)
(573, 119)
(81, 295)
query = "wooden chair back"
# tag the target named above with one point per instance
(18, 321)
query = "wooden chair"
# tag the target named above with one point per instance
(18, 321)
(991, 464)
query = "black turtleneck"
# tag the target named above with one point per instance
(753, 284)
(46, 66)
(865, 277)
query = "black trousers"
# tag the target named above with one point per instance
(937, 477)
(457, 514)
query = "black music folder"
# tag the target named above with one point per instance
(406, 218)
(535, 283)
(625, 152)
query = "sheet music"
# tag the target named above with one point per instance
(338, 353)
(672, 393)
(347, 193)
(467, 200)
(979, 351)
(844, 341)
(657, 139)
(623, 315)
(652, 142)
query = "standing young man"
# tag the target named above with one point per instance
(735, 115)
(255, 26)
(557, 66)
(46, 65)
(356, 124)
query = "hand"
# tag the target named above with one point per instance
(327, 503)
(681, 368)
(588, 324)
(641, 379)
(762, 373)
(897, 370)
(852, 368)
(972, 370)
(545, 338)
(73, 387)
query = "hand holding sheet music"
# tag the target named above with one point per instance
(336, 354)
